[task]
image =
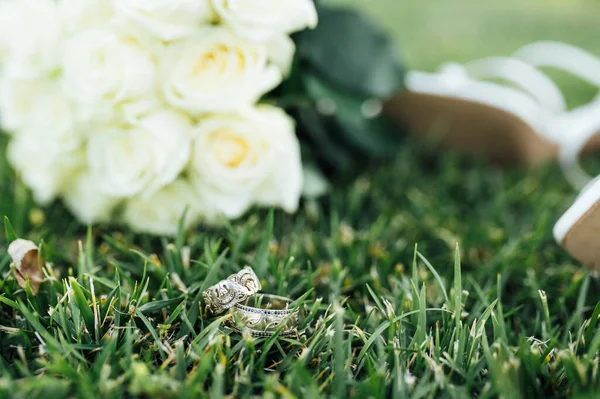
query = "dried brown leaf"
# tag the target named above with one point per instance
(28, 264)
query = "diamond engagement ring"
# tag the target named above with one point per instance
(263, 315)
(236, 288)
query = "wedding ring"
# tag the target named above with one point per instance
(262, 315)
(236, 288)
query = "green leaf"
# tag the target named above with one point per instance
(421, 334)
(175, 313)
(181, 229)
(180, 361)
(8, 302)
(213, 270)
(262, 253)
(375, 136)
(376, 299)
(152, 332)
(589, 331)
(435, 274)
(10, 232)
(377, 334)
(352, 52)
(457, 288)
(318, 131)
(339, 353)
(151, 307)
(83, 305)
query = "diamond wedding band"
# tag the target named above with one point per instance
(262, 314)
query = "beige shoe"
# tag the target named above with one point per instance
(470, 108)
(498, 107)
(471, 127)
(578, 230)
(509, 111)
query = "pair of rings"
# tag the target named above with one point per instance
(261, 314)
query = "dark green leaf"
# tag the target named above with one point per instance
(151, 307)
(320, 135)
(352, 52)
(371, 135)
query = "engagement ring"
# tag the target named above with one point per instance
(236, 288)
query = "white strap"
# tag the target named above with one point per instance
(577, 128)
(522, 75)
(452, 82)
(562, 56)
(573, 171)
(573, 129)
(537, 101)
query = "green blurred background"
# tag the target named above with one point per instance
(430, 32)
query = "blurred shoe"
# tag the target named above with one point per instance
(578, 230)
(498, 108)
(578, 129)
(507, 110)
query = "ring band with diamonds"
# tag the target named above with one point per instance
(236, 288)
(263, 315)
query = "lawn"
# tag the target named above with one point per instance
(434, 275)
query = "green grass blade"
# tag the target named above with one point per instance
(82, 304)
(9, 230)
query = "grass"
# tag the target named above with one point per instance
(508, 314)
(505, 313)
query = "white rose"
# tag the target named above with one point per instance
(30, 35)
(84, 14)
(106, 66)
(36, 105)
(315, 184)
(5, 33)
(46, 148)
(143, 157)
(128, 112)
(281, 51)
(161, 212)
(17, 98)
(166, 19)
(87, 202)
(42, 164)
(217, 71)
(262, 19)
(247, 158)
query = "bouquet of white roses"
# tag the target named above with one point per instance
(149, 107)
(143, 110)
